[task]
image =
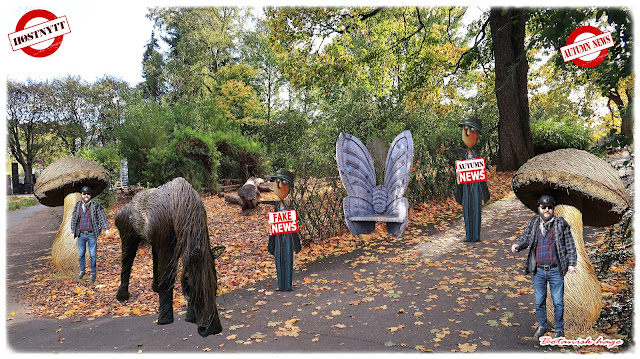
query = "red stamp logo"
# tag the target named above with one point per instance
(282, 222)
(469, 171)
(587, 46)
(53, 28)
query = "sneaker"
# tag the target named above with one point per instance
(81, 275)
(560, 334)
(93, 277)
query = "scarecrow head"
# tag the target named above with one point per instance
(283, 183)
(471, 128)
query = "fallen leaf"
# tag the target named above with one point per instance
(467, 347)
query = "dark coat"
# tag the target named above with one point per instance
(98, 219)
(565, 248)
(460, 187)
(272, 238)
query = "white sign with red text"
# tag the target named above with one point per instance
(587, 46)
(469, 171)
(282, 222)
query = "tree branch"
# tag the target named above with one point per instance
(482, 34)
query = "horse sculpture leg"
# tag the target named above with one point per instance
(154, 282)
(129, 240)
(165, 292)
(166, 278)
(128, 255)
(191, 316)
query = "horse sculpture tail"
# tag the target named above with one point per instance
(199, 279)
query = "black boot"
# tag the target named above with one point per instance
(540, 332)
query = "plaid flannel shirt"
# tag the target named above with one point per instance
(98, 219)
(544, 251)
(564, 244)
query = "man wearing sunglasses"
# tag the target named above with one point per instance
(552, 254)
(87, 222)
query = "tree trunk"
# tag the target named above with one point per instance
(249, 194)
(511, 67)
(626, 126)
(28, 175)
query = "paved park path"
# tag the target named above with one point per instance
(426, 292)
(432, 293)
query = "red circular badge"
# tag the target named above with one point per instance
(57, 41)
(582, 33)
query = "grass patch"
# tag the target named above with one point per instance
(14, 203)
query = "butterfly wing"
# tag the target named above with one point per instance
(356, 167)
(398, 166)
(359, 179)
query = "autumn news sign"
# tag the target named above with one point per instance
(469, 171)
(282, 222)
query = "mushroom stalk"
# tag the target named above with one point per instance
(582, 292)
(64, 252)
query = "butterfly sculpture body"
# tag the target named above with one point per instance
(368, 203)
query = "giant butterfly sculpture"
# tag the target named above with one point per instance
(367, 202)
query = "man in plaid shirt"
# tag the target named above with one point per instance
(552, 254)
(87, 222)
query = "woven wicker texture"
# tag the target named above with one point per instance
(578, 176)
(64, 251)
(68, 175)
(582, 292)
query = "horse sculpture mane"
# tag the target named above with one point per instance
(172, 218)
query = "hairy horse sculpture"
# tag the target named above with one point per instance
(173, 220)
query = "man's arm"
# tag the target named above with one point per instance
(524, 240)
(102, 219)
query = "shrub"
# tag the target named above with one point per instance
(553, 134)
(240, 156)
(109, 158)
(146, 126)
(190, 155)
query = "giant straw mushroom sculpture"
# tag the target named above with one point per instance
(60, 184)
(586, 190)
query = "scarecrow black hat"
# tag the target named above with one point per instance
(284, 175)
(473, 122)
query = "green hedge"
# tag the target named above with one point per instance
(553, 133)
(190, 155)
(109, 158)
(240, 156)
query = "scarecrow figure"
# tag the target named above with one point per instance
(471, 195)
(282, 246)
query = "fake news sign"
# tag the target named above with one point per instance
(282, 222)
(469, 171)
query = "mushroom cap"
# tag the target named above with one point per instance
(66, 176)
(570, 176)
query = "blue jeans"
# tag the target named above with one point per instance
(556, 288)
(92, 241)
